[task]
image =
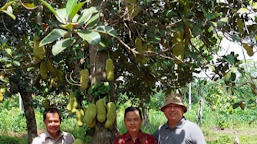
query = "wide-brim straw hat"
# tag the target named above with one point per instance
(174, 98)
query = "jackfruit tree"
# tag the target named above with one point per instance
(95, 50)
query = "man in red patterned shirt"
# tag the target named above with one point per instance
(133, 121)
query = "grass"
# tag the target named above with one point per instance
(217, 128)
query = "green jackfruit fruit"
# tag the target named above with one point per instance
(84, 79)
(92, 124)
(60, 75)
(188, 34)
(43, 70)
(79, 115)
(90, 114)
(177, 41)
(50, 67)
(111, 115)
(101, 109)
(71, 101)
(1, 94)
(109, 69)
(74, 105)
(39, 52)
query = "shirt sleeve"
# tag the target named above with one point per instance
(197, 136)
(116, 140)
(151, 140)
(70, 139)
(156, 134)
(37, 140)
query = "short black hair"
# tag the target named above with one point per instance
(129, 109)
(52, 110)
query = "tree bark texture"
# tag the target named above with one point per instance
(145, 114)
(29, 114)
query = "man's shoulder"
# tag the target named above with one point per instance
(39, 139)
(147, 135)
(161, 129)
(164, 126)
(66, 133)
(68, 136)
(189, 123)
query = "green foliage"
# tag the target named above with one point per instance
(5, 139)
(156, 100)
(99, 90)
(75, 22)
(12, 120)
(8, 9)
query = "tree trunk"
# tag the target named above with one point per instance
(200, 113)
(145, 114)
(98, 75)
(29, 114)
(97, 63)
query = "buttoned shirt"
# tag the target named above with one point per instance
(46, 138)
(142, 138)
(186, 132)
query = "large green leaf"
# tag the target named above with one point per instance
(222, 21)
(86, 15)
(69, 7)
(62, 45)
(243, 10)
(52, 36)
(75, 10)
(29, 6)
(5, 59)
(10, 14)
(106, 29)
(6, 5)
(49, 7)
(254, 5)
(75, 18)
(67, 26)
(62, 16)
(94, 20)
(9, 51)
(92, 37)
(230, 59)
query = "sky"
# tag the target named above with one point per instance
(227, 47)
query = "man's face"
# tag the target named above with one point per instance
(133, 121)
(173, 112)
(52, 123)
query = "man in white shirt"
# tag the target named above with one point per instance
(53, 134)
(178, 130)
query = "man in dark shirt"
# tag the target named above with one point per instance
(133, 121)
